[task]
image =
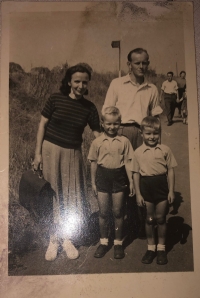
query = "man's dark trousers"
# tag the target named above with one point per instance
(170, 105)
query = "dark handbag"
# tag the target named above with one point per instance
(36, 194)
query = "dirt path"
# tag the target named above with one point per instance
(179, 230)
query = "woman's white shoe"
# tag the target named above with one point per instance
(71, 251)
(52, 251)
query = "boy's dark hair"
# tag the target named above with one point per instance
(137, 51)
(170, 72)
(152, 122)
(65, 88)
(110, 111)
(182, 71)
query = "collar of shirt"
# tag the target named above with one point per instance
(145, 147)
(105, 137)
(127, 79)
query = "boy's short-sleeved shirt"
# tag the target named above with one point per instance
(151, 161)
(109, 152)
(169, 87)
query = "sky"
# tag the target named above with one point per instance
(52, 38)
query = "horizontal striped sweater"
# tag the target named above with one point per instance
(67, 120)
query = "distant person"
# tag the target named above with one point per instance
(170, 90)
(153, 174)
(136, 98)
(184, 110)
(58, 154)
(110, 155)
(181, 82)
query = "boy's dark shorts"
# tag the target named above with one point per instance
(154, 189)
(111, 180)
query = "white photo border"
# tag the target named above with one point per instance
(175, 285)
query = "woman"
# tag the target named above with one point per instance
(181, 81)
(58, 154)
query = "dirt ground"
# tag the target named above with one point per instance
(179, 221)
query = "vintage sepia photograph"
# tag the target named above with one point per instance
(103, 136)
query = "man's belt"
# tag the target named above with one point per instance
(169, 93)
(130, 124)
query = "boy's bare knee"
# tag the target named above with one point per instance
(161, 220)
(117, 213)
(103, 215)
(150, 220)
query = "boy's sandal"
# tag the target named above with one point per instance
(162, 257)
(101, 251)
(148, 257)
(119, 252)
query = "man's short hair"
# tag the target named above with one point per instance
(170, 72)
(152, 122)
(137, 51)
(110, 111)
(182, 71)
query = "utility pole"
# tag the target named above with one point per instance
(177, 69)
(116, 44)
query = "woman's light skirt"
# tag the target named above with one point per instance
(64, 169)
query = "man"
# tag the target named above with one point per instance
(170, 90)
(136, 99)
(181, 82)
(133, 96)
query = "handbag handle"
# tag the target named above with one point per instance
(38, 172)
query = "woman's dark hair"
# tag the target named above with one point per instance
(65, 88)
(182, 72)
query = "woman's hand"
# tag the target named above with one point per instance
(37, 163)
(94, 189)
(140, 200)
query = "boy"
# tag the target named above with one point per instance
(153, 173)
(110, 155)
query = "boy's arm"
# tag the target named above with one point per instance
(171, 183)
(139, 198)
(93, 176)
(129, 155)
(130, 178)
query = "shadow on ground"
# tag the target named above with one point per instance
(177, 203)
(177, 232)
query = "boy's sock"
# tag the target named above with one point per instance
(160, 247)
(117, 242)
(104, 241)
(151, 247)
